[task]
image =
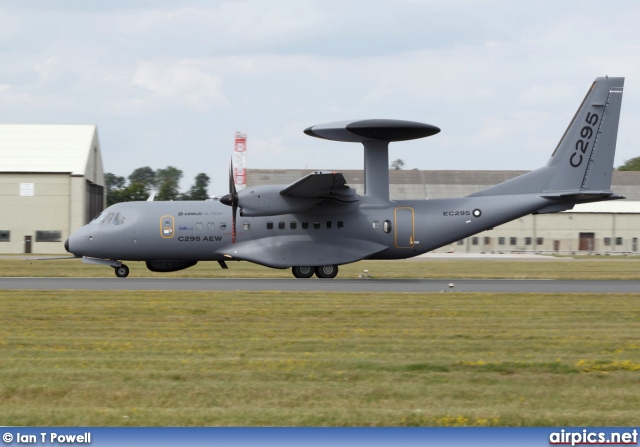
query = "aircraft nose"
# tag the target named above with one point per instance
(66, 245)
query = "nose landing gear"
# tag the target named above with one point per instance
(122, 271)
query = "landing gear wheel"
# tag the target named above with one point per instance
(122, 271)
(327, 271)
(303, 271)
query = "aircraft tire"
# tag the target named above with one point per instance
(327, 271)
(122, 271)
(302, 271)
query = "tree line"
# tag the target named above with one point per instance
(143, 181)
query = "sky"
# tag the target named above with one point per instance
(169, 83)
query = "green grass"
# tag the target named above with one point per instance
(120, 358)
(588, 268)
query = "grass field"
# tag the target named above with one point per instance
(301, 359)
(583, 268)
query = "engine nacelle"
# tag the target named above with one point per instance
(169, 266)
(267, 201)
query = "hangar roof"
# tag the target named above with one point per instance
(46, 148)
(609, 207)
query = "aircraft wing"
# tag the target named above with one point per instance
(287, 251)
(325, 185)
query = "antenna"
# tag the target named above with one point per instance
(375, 135)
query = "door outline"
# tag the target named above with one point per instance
(404, 222)
(167, 231)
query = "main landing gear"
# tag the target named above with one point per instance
(122, 271)
(323, 271)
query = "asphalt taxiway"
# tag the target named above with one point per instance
(324, 285)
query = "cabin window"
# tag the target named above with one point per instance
(199, 226)
(5, 236)
(269, 225)
(281, 225)
(293, 224)
(340, 225)
(316, 225)
(328, 225)
(305, 225)
(245, 226)
(386, 226)
(223, 225)
(211, 226)
(376, 224)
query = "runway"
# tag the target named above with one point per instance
(323, 285)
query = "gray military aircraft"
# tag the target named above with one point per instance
(318, 222)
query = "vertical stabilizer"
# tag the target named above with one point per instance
(584, 155)
(582, 162)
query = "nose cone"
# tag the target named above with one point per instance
(66, 246)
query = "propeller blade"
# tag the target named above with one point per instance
(232, 200)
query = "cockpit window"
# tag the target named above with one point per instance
(118, 219)
(107, 219)
(113, 219)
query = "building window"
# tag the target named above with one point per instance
(487, 241)
(474, 241)
(460, 242)
(618, 241)
(269, 225)
(328, 225)
(305, 225)
(607, 241)
(5, 236)
(293, 224)
(316, 225)
(513, 241)
(501, 241)
(281, 225)
(527, 241)
(340, 225)
(48, 236)
(540, 241)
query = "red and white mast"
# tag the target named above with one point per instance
(240, 161)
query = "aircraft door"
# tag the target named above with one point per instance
(404, 227)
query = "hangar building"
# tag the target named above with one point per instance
(603, 227)
(51, 183)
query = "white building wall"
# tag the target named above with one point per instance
(24, 216)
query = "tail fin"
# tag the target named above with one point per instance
(582, 163)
